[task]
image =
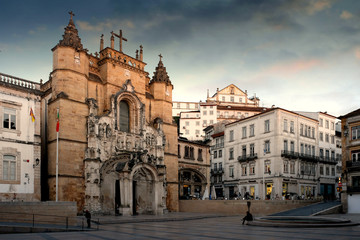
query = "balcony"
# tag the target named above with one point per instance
(289, 154)
(352, 166)
(326, 159)
(219, 171)
(308, 157)
(353, 189)
(248, 157)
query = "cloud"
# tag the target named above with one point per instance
(346, 15)
(105, 25)
(318, 6)
(291, 68)
(37, 30)
(357, 52)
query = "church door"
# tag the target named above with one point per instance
(117, 197)
(143, 192)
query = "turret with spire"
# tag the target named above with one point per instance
(71, 37)
(160, 74)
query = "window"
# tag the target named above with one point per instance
(187, 123)
(124, 117)
(239, 115)
(192, 153)
(223, 98)
(301, 129)
(178, 105)
(327, 124)
(186, 152)
(252, 149)
(200, 158)
(308, 131)
(204, 113)
(197, 123)
(332, 139)
(226, 114)
(313, 150)
(215, 154)
(355, 156)
(204, 122)
(333, 155)
(267, 126)
(292, 146)
(187, 105)
(211, 122)
(285, 125)
(313, 132)
(321, 136)
(326, 137)
(218, 114)
(292, 167)
(267, 166)
(327, 154)
(220, 153)
(252, 130)
(197, 132)
(187, 132)
(327, 171)
(215, 166)
(231, 171)
(232, 99)
(292, 127)
(252, 169)
(332, 126)
(220, 166)
(9, 167)
(179, 148)
(267, 146)
(285, 145)
(231, 153)
(240, 99)
(302, 148)
(286, 166)
(355, 132)
(321, 170)
(321, 153)
(244, 132)
(211, 112)
(243, 170)
(321, 122)
(244, 150)
(231, 135)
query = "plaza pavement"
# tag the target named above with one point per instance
(193, 226)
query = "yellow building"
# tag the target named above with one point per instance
(116, 140)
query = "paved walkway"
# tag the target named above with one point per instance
(309, 210)
(179, 226)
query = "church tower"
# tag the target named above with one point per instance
(117, 147)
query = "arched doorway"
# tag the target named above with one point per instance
(143, 191)
(192, 184)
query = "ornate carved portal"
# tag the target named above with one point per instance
(124, 171)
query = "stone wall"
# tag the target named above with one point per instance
(41, 212)
(239, 207)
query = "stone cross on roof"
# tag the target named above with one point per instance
(121, 38)
(71, 14)
(160, 56)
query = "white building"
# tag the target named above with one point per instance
(229, 103)
(19, 139)
(273, 154)
(329, 148)
(178, 107)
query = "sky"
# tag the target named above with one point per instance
(301, 55)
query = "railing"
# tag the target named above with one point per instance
(308, 157)
(289, 154)
(326, 159)
(46, 221)
(351, 164)
(18, 82)
(217, 171)
(248, 157)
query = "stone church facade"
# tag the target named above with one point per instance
(117, 140)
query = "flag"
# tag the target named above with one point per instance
(57, 121)
(32, 115)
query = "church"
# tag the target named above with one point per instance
(109, 140)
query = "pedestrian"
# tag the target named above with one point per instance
(88, 218)
(248, 217)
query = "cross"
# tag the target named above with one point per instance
(121, 38)
(71, 15)
(160, 56)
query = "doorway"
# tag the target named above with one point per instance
(117, 197)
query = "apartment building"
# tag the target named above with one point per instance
(20, 148)
(229, 103)
(273, 154)
(350, 126)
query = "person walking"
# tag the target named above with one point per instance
(88, 218)
(248, 217)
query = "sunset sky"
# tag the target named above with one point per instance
(301, 55)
